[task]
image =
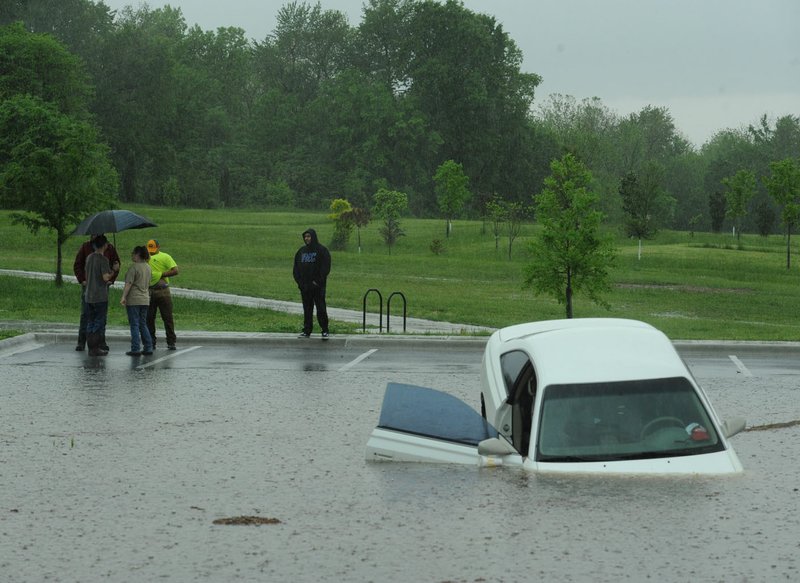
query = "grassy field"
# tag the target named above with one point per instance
(701, 287)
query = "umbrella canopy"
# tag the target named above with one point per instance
(112, 222)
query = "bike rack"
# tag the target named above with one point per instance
(380, 309)
(389, 309)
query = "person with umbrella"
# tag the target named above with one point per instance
(111, 221)
(79, 269)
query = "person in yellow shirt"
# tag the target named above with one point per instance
(162, 267)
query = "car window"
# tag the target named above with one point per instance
(624, 420)
(431, 413)
(520, 381)
(512, 364)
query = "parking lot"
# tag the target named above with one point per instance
(117, 468)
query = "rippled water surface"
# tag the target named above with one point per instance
(113, 473)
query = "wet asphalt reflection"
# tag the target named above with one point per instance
(116, 469)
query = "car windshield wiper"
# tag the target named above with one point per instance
(561, 459)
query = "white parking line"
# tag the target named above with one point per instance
(167, 357)
(352, 363)
(740, 365)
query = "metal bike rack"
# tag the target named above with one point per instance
(380, 310)
(389, 309)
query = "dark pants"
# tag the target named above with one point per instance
(96, 317)
(161, 301)
(314, 298)
(85, 320)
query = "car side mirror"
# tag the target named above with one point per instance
(495, 446)
(731, 427)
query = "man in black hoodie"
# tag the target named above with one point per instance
(312, 264)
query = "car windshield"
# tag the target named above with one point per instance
(623, 420)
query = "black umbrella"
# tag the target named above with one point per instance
(112, 222)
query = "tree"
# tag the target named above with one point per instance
(510, 214)
(516, 213)
(644, 202)
(464, 75)
(496, 212)
(342, 225)
(389, 206)
(716, 209)
(52, 168)
(784, 186)
(140, 105)
(81, 25)
(37, 64)
(311, 46)
(741, 189)
(359, 218)
(452, 191)
(382, 46)
(765, 217)
(570, 255)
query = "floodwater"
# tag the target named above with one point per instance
(115, 469)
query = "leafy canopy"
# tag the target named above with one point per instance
(571, 254)
(452, 191)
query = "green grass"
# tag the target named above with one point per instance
(38, 301)
(702, 287)
(9, 333)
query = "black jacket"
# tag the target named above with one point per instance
(312, 264)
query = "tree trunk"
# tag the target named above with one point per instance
(569, 295)
(788, 247)
(59, 278)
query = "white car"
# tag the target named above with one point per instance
(582, 395)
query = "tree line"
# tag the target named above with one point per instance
(420, 97)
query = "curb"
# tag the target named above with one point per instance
(269, 339)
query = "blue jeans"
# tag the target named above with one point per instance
(137, 318)
(96, 317)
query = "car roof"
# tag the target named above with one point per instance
(592, 350)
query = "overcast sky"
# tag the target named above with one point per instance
(714, 64)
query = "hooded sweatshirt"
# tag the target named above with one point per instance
(312, 264)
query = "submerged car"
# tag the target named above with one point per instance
(583, 395)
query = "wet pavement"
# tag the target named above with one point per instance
(116, 469)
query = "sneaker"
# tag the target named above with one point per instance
(147, 352)
(171, 347)
(325, 335)
(303, 335)
(133, 353)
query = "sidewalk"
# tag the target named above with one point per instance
(413, 325)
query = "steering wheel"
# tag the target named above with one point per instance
(651, 426)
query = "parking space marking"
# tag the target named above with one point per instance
(167, 357)
(740, 365)
(20, 349)
(352, 363)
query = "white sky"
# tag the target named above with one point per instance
(714, 64)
